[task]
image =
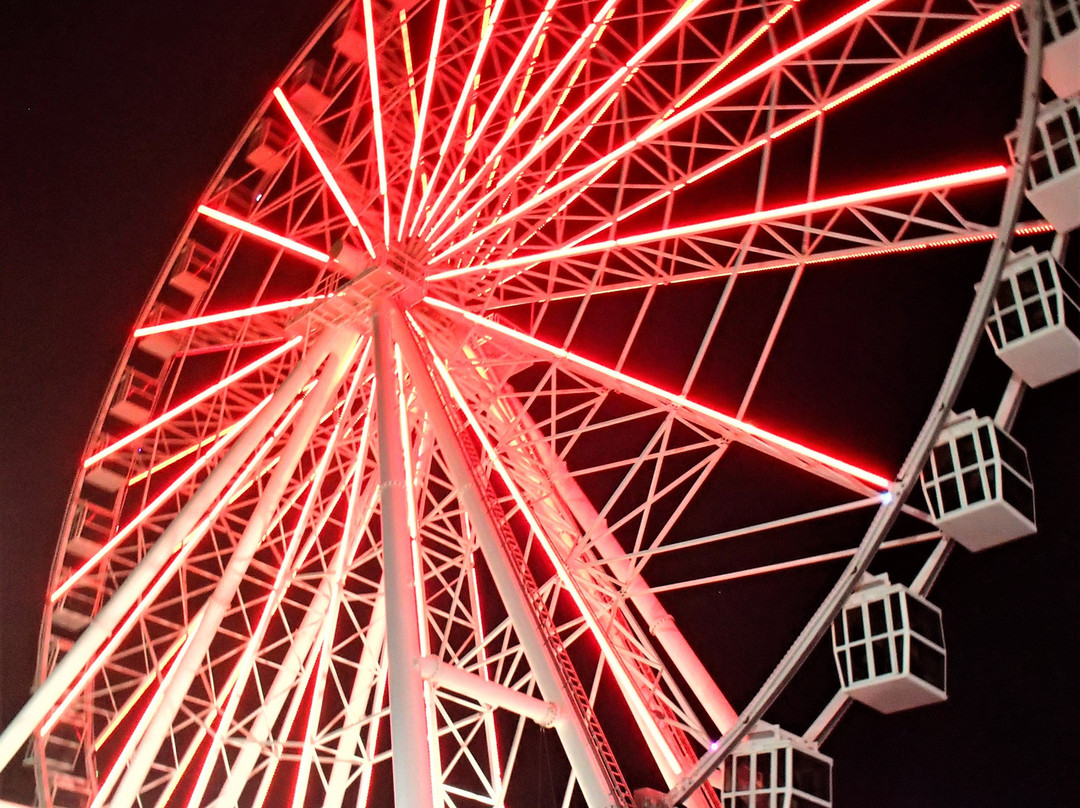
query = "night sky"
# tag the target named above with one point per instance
(114, 114)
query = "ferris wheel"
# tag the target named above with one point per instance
(506, 335)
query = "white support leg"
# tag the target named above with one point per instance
(412, 762)
(488, 693)
(284, 681)
(592, 772)
(189, 662)
(131, 591)
(366, 676)
(659, 621)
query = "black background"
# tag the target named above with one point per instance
(112, 117)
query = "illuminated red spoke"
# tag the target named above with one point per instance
(107, 783)
(328, 176)
(160, 668)
(173, 487)
(262, 233)
(722, 162)
(650, 392)
(669, 119)
(831, 257)
(585, 40)
(959, 179)
(406, 46)
(183, 549)
(235, 314)
(191, 402)
(616, 661)
(527, 48)
(376, 116)
(491, 16)
(600, 99)
(425, 104)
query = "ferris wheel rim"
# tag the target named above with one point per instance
(163, 278)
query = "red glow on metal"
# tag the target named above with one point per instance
(235, 314)
(376, 116)
(266, 235)
(421, 119)
(931, 184)
(625, 381)
(470, 84)
(538, 28)
(191, 402)
(667, 122)
(137, 520)
(328, 176)
(937, 47)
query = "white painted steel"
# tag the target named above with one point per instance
(538, 488)
(413, 765)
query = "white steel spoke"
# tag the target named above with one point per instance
(475, 477)
(755, 436)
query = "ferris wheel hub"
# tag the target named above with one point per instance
(395, 273)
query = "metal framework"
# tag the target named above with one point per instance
(468, 381)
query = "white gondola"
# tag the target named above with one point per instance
(978, 485)
(772, 767)
(266, 146)
(889, 647)
(1061, 52)
(191, 272)
(1034, 324)
(306, 89)
(1053, 176)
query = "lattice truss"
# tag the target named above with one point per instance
(518, 191)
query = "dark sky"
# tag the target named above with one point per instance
(112, 117)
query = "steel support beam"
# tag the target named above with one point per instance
(413, 763)
(590, 769)
(190, 660)
(53, 688)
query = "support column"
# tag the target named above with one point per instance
(412, 762)
(131, 591)
(660, 623)
(592, 773)
(190, 660)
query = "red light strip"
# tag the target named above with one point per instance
(376, 116)
(623, 380)
(403, 21)
(324, 169)
(425, 105)
(591, 31)
(235, 314)
(191, 402)
(150, 678)
(669, 121)
(955, 180)
(937, 47)
(264, 234)
(173, 487)
(491, 15)
(1030, 229)
(543, 19)
(610, 88)
(753, 145)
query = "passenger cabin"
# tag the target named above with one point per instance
(306, 89)
(978, 485)
(265, 148)
(772, 767)
(1053, 177)
(1034, 323)
(1061, 46)
(889, 647)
